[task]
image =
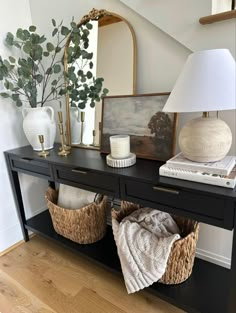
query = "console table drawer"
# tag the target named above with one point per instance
(201, 207)
(31, 167)
(83, 178)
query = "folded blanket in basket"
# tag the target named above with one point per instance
(144, 240)
(74, 198)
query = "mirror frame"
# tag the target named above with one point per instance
(95, 14)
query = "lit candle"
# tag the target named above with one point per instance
(120, 146)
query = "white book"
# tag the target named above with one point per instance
(222, 167)
(228, 181)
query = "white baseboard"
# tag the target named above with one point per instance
(213, 258)
(13, 234)
(10, 236)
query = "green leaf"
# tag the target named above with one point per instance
(72, 77)
(90, 64)
(85, 33)
(12, 60)
(7, 64)
(55, 30)
(15, 96)
(8, 85)
(54, 82)
(4, 95)
(20, 83)
(39, 78)
(56, 68)
(82, 105)
(37, 53)
(35, 38)
(50, 47)
(89, 75)
(89, 25)
(73, 25)
(16, 44)
(53, 22)
(80, 72)
(26, 34)
(57, 49)
(18, 103)
(92, 104)
(105, 91)
(42, 39)
(49, 71)
(62, 91)
(9, 39)
(19, 33)
(27, 47)
(46, 54)
(32, 28)
(65, 31)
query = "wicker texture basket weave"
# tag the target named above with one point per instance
(182, 255)
(84, 225)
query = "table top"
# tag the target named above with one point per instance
(146, 170)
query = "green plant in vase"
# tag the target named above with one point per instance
(34, 75)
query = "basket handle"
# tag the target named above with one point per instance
(96, 196)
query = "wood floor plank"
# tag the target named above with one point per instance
(15, 299)
(89, 301)
(65, 282)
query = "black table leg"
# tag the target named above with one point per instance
(15, 185)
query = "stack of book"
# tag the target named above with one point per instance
(221, 173)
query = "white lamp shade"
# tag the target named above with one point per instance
(206, 83)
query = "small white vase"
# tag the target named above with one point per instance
(75, 125)
(39, 121)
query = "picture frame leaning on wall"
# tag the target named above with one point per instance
(152, 132)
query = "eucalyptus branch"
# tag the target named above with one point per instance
(29, 70)
(51, 92)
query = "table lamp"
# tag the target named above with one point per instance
(206, 83)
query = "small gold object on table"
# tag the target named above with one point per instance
(94, 144)
(62, 150)
(60, 119)
(42, 153)
(82, 118)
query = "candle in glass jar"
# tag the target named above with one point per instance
(120, 146)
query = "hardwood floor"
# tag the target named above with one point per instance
(40, 277)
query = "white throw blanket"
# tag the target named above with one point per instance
(144, 240)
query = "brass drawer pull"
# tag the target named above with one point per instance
(27, 160)
(79, 171)
(176, 192)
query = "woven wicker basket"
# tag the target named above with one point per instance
(84, 225)
(181, 258)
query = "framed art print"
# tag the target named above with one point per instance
(152, 132)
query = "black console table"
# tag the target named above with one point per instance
(210, 289)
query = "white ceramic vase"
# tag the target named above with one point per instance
(39, 121)
(75, 125)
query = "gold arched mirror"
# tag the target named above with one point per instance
(113, 44)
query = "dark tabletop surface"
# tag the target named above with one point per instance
(146, 170)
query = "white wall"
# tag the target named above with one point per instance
(13, 14)
(180, 19)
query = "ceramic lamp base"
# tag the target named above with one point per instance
(205, 139)
(129, 161)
